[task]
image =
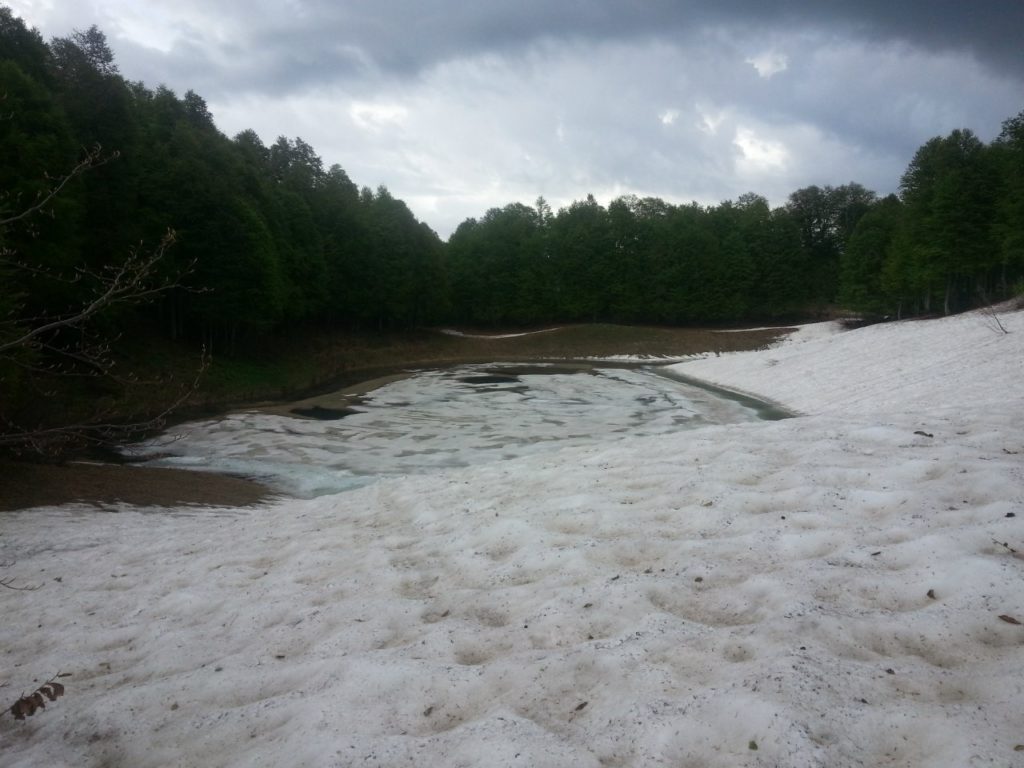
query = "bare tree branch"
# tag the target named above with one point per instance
(127, 283)
(93, 158)
(990, 312)
(99, 429)
(48, 346)
(9, 584)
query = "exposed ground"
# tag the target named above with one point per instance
(27, 485)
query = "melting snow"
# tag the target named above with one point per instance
(453, 332)
(820, 591)
(452, 417)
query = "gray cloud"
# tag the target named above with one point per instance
(273, 47)
(459, 107)
(407, 35)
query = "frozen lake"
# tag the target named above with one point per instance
(441, 418)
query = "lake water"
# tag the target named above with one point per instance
(440, 418)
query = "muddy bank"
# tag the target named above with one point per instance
(24, 485)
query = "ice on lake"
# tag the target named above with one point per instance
(442, 418)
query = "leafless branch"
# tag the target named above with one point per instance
(992, 320)
(52, 345)
(9, 584)
(101, 428)
(127, 282)
(93, 158)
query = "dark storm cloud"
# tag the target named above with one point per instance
(990, 30)
(271, 46)
(406, 36)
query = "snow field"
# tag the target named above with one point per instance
(960, 361)
(821, 591)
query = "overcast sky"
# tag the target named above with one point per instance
(458, 107)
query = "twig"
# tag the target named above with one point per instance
(9, 584)
(29, 704)
(93, 158)
(125, 283)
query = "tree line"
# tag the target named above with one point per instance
(951, 240)
(268, 238)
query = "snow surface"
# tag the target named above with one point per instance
(453, 332)
(820, 591)
(959, 362)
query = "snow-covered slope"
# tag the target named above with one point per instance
(831, 590)
(913, 365)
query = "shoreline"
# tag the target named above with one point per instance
(105, 485)
(28, 485)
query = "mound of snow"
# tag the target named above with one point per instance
(891, 367)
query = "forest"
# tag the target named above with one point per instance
(240, 239)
